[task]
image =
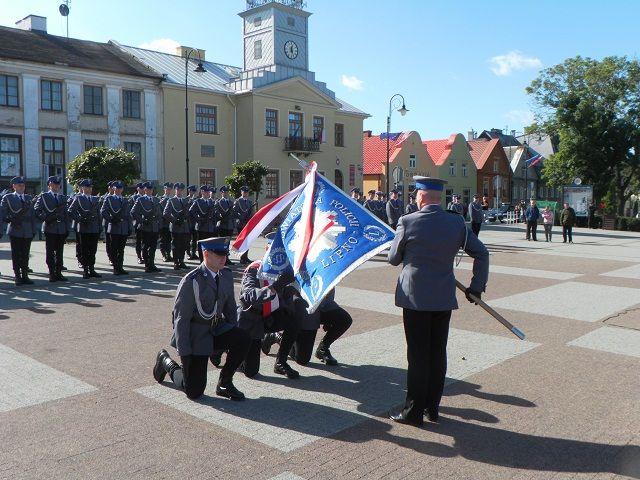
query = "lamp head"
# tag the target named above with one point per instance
(403, 110)
(200, 68)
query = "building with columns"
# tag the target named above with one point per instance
(60, 97)
(271, 106)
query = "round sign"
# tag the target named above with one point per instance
(577, 181)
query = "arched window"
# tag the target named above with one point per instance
(338, 179)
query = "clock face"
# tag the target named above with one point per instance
(291, 49)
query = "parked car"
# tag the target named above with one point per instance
(499, 214)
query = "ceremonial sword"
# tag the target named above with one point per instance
(513, 329)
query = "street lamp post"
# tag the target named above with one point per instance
(394, 102)
(198, 69)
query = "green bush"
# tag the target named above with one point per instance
(628, 224)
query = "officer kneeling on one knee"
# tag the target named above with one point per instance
(204, 318)
(426, 243)
(268, 313)
(335, 321)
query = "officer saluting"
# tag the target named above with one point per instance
(243, 210)
(426, 243)
(17, 211)
(204, 318)
(85, 211)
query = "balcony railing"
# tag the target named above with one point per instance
(301, 144)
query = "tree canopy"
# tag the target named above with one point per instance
(248, 173)
(102, 164)
(594, 108)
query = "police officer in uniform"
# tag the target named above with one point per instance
(165, 234)
(115, 210)
(17, 211)
(266, 309)
(426, 243)
(107, 235)
(334, 320)
(356, 195)
(203, 211)
(394, 209)
(370, 201)
(204, 318)
(226, 216)
(147, 214)
(379, 209)
(85, 211)
(455, 205)
(476, 215)
(192, 196)
(243, 211)
(176, 212)
(132, 200)
(51, 209)
(411, 207)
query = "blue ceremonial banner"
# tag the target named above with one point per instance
(344, 235)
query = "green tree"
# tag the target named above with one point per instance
(248, 173)
(594, 108)
(101, 165)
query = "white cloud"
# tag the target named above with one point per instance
(165, 45)
(352, 82)
(503, 65)
(521, 117)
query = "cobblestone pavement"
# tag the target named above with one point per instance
(78, 400)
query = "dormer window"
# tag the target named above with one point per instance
(257, 21)
(291, 21)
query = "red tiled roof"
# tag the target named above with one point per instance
(374, 151)
(439, 150)
(481, 149)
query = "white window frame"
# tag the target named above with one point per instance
(215, 174)
(278, 119)
(413, 161)
(216, 130)
(324, 127)
(452, 169)
(257, 49)
(279, 183)
(464, 169)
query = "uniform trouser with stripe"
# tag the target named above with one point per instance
(54, 245)
(20, 248)
(88, 248)
(193, 246)
(180, 243)
(107, 246)
(165, 241)
(148, 247)
(118, 242)
(335, 323)
(78, 248)
(426, 334)
(192, 377)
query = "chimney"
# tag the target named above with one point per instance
(513, 133)
(471, 135)
(184, 51)
(367, 133)
(33, 23)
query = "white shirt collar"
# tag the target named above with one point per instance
(213, 274)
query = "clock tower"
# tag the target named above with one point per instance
(276, 36)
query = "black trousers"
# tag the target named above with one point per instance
(118, 243)
(567, 233)
(193, 247)
(165, 241)
(180, 243)
(139, 243)
(334, 322)
(20, 248)
(54, 246)
(475, 228)
(192, 378)
(426, 334)
(78, 248)
(107, 246)
(149, 246)
(280, 320)
(88, 248)
(532, 227)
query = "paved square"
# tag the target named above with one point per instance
(627, 272)
(25, 382)
(579, 301)
(623, 341)
(523, 272)
(287, 415)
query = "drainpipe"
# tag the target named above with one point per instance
(235, 129)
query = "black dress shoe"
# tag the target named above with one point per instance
(94, 274)
(283, 368)
(140, 261)
(324, 355)
(61, 278)
(86, 274)
(159, 371)
(267, 342)
(64, 269)
(18, 280)
(228, 390)
(400, 418)
(26, 280)
(53, 278)
(432, 414)
(184, 266)
(216, 359)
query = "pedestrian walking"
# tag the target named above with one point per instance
(476, 215)
(426, 243)
(531, 216)
(567, 220)
(547, 221)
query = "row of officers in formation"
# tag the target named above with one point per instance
(173, 220)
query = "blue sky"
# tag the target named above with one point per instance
(460, 64)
